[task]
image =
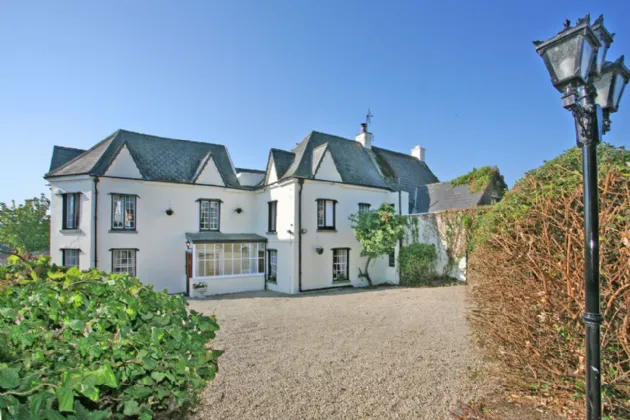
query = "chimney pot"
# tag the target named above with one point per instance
(418, 153)
(363, 127)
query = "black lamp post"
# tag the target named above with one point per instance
(592, 87)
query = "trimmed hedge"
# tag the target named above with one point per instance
(90, 345)
(526, 270)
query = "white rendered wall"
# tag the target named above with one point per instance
(124, 166)
(75, 239)
(317, 269)
(160, 238)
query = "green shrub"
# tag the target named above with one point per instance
(417, 264)
(93, 345)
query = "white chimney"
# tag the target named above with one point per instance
(418, 153)
(364, 137)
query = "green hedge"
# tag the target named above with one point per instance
(417, 264)
(93, 345)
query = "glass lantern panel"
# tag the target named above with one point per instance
(602, 87)
(587, 59)
(601, 57)
(563, 58)
(619, 85)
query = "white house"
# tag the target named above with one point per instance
(177, 212)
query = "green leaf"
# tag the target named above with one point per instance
(8, 313)
(89, 391)
(158, 376)
(131, 408)
(76, 325)
(105, 376)
(65, 397)
(9, 378)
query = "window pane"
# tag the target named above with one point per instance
(70, 207)
(320, 213)
(329, 213)
(214, 215)
(261, 265)
(204, 214)
(118, 211)
(130, 212)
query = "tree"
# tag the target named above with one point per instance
(26, 226)
(377, 231)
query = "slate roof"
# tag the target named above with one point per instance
(351, 158)
(255, 171)
(197, 237)
(62, 155)
(443, 196)
(282, 160)
(157, 158)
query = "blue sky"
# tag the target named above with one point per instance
(461, 78)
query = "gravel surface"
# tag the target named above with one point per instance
(376, 353)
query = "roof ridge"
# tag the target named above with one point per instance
(170, 138)
(249, 170)
(396, 153)
(331, 135)
(275, 149)
(69, 148)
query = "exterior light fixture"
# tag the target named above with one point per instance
(592, 87)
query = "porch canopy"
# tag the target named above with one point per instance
(219, 237)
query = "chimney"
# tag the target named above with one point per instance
(418, 153)
(364, 137)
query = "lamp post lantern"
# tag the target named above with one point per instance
(592, 89)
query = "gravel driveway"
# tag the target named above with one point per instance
(376, 353)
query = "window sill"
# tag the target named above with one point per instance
(327, 230)
(122, 231)
(70, 231)
(209, 230)
(271, 232)
(340, 282)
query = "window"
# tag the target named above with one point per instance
(273, 216)
(124, 261)
(231, 259)
(272, 264)
(363, 207)
(341, 259)
(71, 210)
(70, 257)
(209, 214)
(392, 258)
(326, 214)
(123, 212)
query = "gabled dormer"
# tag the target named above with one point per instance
(324, 166)
(207, 172)
(124, 165)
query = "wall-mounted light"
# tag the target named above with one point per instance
(187, 244)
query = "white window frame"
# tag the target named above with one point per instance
(341, 263)
(124, 209)
(209, 214)
(70, 257)
(326, 214)
(124, 261)
(225, 262)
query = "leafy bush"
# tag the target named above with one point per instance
(417, 264)
(92, 345)
(526, 270)
(478, 179)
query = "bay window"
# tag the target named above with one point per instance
(229, 259)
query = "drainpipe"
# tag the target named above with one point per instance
(301, 183)
(96, 223)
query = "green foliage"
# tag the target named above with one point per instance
(27, 225)
(478, 179)
(417, 264)
(92, 345)
(378, 231)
